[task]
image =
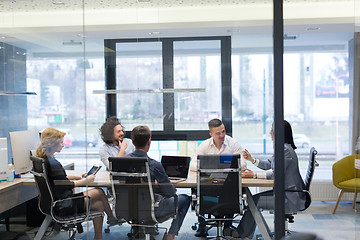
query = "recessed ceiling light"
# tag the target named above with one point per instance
(154, 33)
(313, 29)
(233, 30)
(81, 35)
(57, 2)
(142, 1)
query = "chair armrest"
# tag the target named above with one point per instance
(58, 202)
(308, 197)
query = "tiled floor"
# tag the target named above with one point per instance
(318, 219)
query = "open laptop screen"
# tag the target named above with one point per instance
(176, 166)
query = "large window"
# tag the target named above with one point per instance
(316, 103)
(175, 86)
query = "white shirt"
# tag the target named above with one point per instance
(207, 147)
(111, 150)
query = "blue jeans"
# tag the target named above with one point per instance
(166, 206)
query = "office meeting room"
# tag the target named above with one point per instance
(179, 119)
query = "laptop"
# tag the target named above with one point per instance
(176, 167)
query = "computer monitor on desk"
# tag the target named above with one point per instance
(22, 143)
(3, 159)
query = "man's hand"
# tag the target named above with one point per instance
(123, 144)
(247, 173)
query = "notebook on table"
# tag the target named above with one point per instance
(176, 167)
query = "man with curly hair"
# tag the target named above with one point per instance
(112, 133)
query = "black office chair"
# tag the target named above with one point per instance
(308, 179)
(219, 192)
(309, 176)
(133, 194)
(49, 206)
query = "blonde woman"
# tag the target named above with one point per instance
(51, 141)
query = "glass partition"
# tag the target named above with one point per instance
(356, 124)
(53, 65)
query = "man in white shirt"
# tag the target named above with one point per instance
(218, 144)
(112, 133)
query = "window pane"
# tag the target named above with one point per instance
(197, 64)
(316, 103)
(139, 67)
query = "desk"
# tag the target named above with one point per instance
(103, 180)
(15, 193)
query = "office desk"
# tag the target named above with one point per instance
(103, 180)
(15, 193)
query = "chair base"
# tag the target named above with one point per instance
(219, 231)
(145, 232)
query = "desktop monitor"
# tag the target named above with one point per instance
(3, 159)
(22, 143)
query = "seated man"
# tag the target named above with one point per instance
(218, 144)
(141, 138)
(112, 133)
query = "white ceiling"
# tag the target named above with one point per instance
(43, 25)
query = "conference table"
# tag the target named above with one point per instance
(103, 180)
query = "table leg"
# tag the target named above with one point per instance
(259, 219)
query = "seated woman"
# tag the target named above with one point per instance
(294, 201)
(51, 141)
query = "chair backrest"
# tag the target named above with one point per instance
(40, 171)
(219, 189)
(132, 189)
(309, 175)
(311, 168)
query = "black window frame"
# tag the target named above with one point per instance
(169, 132)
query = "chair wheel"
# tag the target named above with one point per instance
(107, 230)
(194, 228)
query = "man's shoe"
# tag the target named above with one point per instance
(201, 232)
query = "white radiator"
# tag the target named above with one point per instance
(324, 191)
